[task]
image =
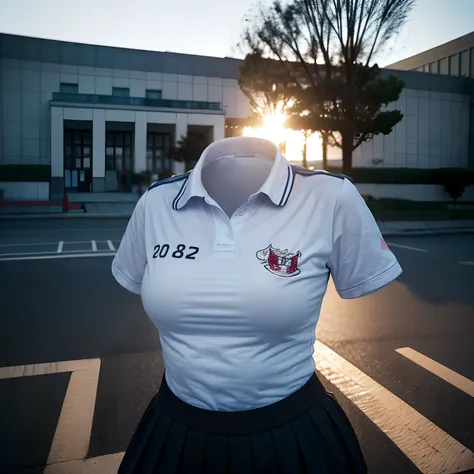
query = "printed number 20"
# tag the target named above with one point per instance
(161, 251)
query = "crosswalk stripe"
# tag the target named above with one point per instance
(107, 464)
(432, 450)
(443, 372)
(73, 431)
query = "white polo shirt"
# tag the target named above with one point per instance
(236, 299)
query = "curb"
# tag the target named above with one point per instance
(412, 232)
(85, 215)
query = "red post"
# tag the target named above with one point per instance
(65, 203)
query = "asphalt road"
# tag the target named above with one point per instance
(67, 309)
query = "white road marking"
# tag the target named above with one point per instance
(37, 256)
(432, 450)
(467, 263)
(72, 436)
(443, 372)
(406, 247)
(17, 254)
(94, 245)
(60, 246)
(111, 245)
(107, 464)
(42, 244)
(37, 244)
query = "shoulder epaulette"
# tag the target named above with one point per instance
(173, 179)
(305, 172)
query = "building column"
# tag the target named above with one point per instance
(98, 151)
(56, 188)
(181, 127)
(139, 150)
(218, 130)
(471, 130)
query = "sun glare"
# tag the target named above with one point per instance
(273, 129)
(291, 142)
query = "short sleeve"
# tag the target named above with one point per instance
(128, 266)
(361, 262)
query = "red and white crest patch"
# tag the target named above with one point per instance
(280, 262)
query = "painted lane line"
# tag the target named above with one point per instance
(432, 450)
(60, 246)
(467, 263)
(406, 247)
(45, 252)
(73, 431)
(19, 254)
(111, 245)
(52, 257)
(443, 372)
(25, 244)
(94, 245)
(107, 464)
(42, 244)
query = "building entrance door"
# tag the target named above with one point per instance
(78, 160)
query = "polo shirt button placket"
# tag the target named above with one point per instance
(223, 233)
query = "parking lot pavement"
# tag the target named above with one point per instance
(24, 240)
(400, 361)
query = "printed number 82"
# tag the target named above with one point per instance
(161, 251)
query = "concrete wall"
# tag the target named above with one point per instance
(28, 86)
(455, 58)
(412, 192)
(25, 191)
(434, 133)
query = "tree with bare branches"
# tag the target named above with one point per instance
(324, 49)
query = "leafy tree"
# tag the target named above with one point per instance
(271, 91)
(266, 85)
(323, 49)
(455, 184)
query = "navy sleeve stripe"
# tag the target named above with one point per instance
(168, 180)
(286, 196)
(305, 172)
(179, 195)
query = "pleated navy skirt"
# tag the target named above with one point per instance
(307, 432)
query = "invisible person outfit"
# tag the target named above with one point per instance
(232, 261)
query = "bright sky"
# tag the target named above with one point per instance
(204, 27)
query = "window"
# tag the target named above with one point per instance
(471, 62)
(454, 65)
(118, 151)
(433, 68)
(444, 66)
(157, 160)
(121, 92)
(68, 88)
(153, 94)
(78, 159)
(464, 66)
